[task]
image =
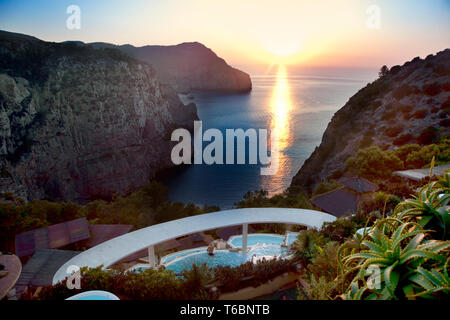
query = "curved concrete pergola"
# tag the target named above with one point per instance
(114, 250)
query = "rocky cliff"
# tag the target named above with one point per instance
(78, 122)
(401, 107)
(189, 67)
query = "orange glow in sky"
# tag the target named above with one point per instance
(244, 32)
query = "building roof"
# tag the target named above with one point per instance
(39, 270)
(338, 202)
(51, 237)
(359, 185)
(112, 251)
(419, 174)
(104, 232)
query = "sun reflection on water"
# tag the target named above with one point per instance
(280, 105)
(280, 108)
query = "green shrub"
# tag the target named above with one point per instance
(403, 151)
(374, 162)
(308, 244)
(147, 206)
(293, 197)
(326, 186)
(339, 230)
(381, 202)
(422, 157)
(149, 284)
(250, 274)
(325, 264)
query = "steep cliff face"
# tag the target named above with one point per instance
(189, 66)
(398, 108)
(77, 123)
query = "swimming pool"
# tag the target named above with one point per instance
(224, 257)
(263, 238)
(172, 256)
(257, 238)
(260, 245)
(94, 295)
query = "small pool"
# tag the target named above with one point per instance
(259, 245)
(224, 257)
(264, 238)
(257, 238)
(172, 256)
(94, 295)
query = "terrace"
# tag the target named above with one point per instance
(116, 249)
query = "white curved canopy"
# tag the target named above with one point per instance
(112, 251)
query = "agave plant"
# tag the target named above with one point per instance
(317, 289)
(354, 292)
(400, 251)
(429, 208)
(431, 282)
(444, 181)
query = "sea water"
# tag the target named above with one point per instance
(297, 107)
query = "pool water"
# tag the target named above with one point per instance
(292, 237)
(257, 238)
(262, 238)
(94, 297)
(259, 245)
(172, 256)
(224, 257)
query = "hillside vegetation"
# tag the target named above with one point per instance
(407, 105)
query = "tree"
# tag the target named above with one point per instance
(383, 71)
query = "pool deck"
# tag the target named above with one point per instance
(112, 251)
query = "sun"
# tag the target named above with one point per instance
(282, 49)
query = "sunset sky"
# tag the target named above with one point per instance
(250, 32)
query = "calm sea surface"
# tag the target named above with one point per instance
(298, 108)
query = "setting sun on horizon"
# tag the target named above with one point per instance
(205, 151)
(292, 32)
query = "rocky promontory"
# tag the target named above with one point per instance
(408, 104)
(188, 67)
(78, 123)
